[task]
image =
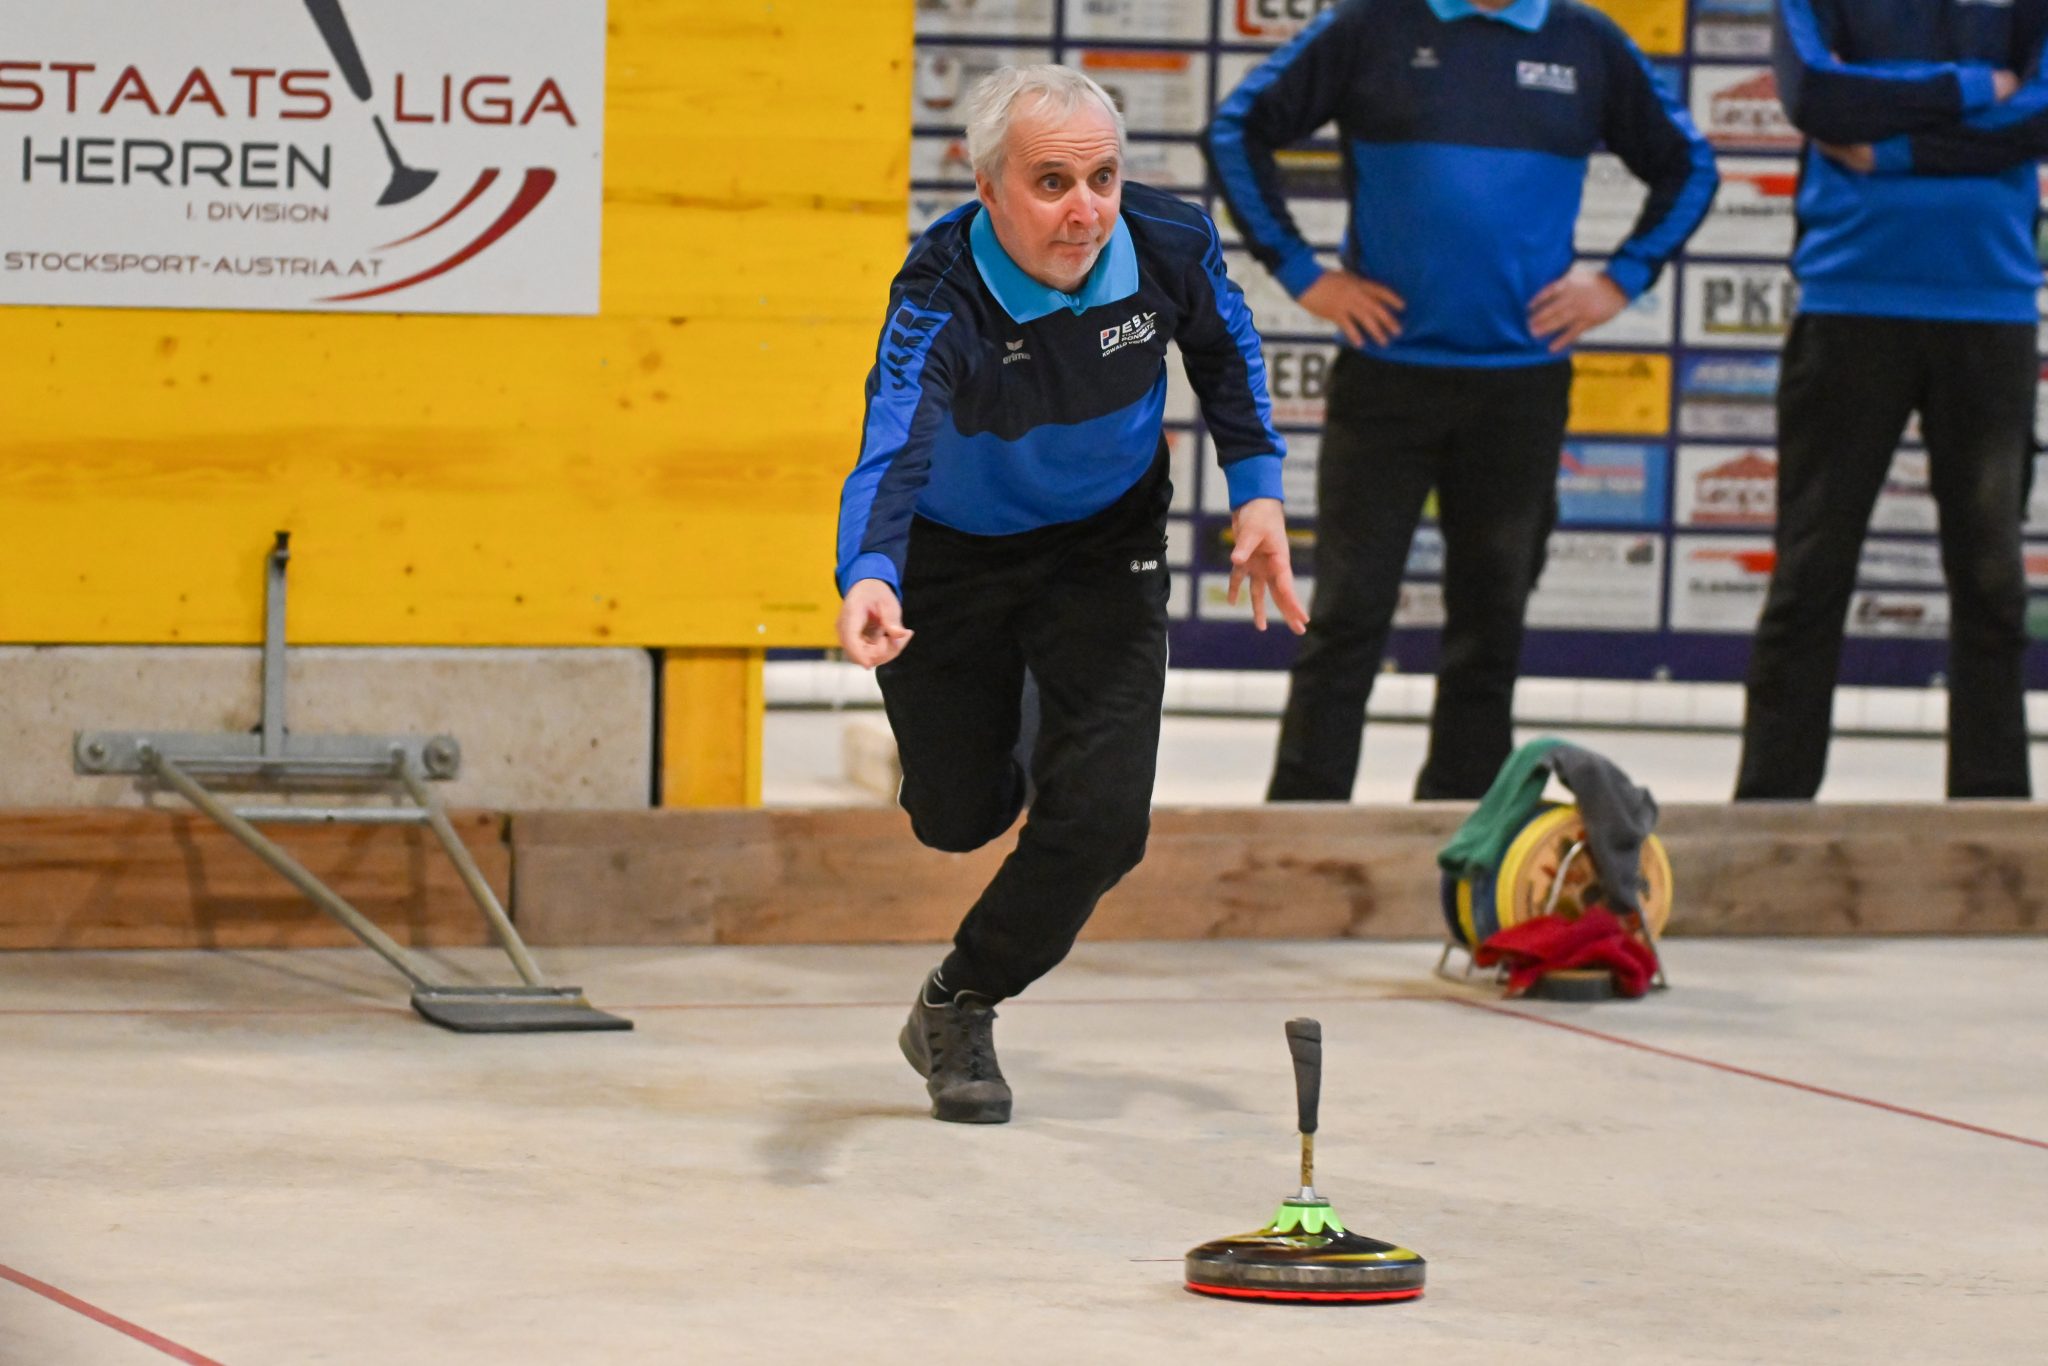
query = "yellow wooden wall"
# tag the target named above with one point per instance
(664, 474)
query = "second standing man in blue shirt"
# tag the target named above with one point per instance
(1465, 128)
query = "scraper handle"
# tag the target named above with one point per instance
(1305, 1042)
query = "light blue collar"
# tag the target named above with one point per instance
(1523, 14)
(1115, 275)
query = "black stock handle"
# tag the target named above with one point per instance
(1305, 1042)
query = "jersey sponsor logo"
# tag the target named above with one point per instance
(1139, 329)
(1555, 77)
(1424, 59)
(1016, 352)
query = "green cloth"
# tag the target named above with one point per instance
(1517, 791)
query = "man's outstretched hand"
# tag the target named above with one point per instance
(1260, 555)
(871, 629)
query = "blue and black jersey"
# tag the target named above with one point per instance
(998, 404)
(1944, 229)
(1464, 138)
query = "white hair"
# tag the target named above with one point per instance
(999, 97)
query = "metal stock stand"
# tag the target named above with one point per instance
(272, 757)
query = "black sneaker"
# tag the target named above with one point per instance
(953, 1048)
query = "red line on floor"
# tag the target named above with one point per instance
(103, 1318)
(1751, 1073)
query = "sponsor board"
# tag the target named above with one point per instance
(1274, 310)
(1727, 487)
(990, 18)
(1421, 605)
(1732, 28)
(1212, 599)
(1912, 616)
(1736, 487)
(1180, 595)
(1718, 582)
(1658, 26)
(1159, 90)
(1143, 20)
(1425, 554)
(1729, 305)
(946, 72)
(1609, 204)
(1268, 21)
(1728, 396)
(1321, 222)
(1620, 393)
(1182, 453)
(1297, 481)
(1737, 107)
(1900, 564)
(929, 206)
(361, 156)
(1649, 319)
(1181, 405)
(1752, 213)
(1611, 483)
(1600, 581)
(1297, 378)
(1180, 542)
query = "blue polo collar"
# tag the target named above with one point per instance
(1114, 277)
(1523, 14)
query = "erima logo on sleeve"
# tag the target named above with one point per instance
(1552, 76)
(1139, 329)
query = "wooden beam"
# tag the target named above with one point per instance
(712, 705)
(146, 879)
(1294, 872)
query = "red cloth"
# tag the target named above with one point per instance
(1595, 938)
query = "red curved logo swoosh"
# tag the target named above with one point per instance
(483, 182)
(534, 189)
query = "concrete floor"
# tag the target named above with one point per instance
(264, 1159)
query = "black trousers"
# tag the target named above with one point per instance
(1082, 605)
(1849, 384)
(1487, 440)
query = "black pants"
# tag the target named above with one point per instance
(1487, 440)
(1849, 383)
(1083, 606)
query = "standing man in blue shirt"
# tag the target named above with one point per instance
(1465, 126)
(1007, 513)
(1917, 273)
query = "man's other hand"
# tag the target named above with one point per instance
(1260, 531)
(1857, 157)
(871, 624)
(1363, 308)
(1574, 304)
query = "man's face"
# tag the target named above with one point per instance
(1054, 200)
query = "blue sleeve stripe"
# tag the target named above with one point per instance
(1237, 316)
(1812, 52)
(899, 391)
(1255, 217)
(2028, 102)
(1655, 243)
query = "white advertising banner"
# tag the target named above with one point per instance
(320, 155)
(1601, 581)
(1746, 305)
